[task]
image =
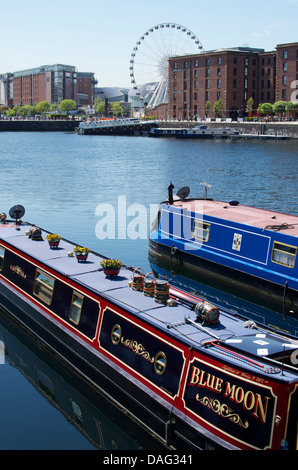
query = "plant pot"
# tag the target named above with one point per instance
(54, 245)
(111, 272)
(82, 258)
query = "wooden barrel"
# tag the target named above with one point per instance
(35, 234)
(207, 312)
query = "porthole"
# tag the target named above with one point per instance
(160, 363)
(116, 334)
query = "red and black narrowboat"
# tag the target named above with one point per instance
(195, 375)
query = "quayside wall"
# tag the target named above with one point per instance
(289, 129)
(38, 126)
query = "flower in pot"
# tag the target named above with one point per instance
(81, 253)
(53, 240)
(111, 267)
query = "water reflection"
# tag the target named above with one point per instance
(222, 295)
(82, 409)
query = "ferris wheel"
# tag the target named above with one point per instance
(149, 66)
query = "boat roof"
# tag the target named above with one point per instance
(231, 333)
(235, 212)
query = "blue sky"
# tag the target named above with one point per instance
(99, 35)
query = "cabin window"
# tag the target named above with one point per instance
(43, 287)
(2, 252)
(76, 308)
(284, 254)
(200, 230)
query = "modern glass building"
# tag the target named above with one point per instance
(52, 83)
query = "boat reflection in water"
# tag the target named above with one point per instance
(104, 425)
(219, 293)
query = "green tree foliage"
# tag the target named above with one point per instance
(116, 109)
(218, 107)
(67, 105)
(292, 108)
(43, 107)
(250, 105)
(3, 109)
(207, 107)
(25, 110)
(280, 107)
(266, 108)
(99, 105)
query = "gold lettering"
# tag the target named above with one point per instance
(260, 410)
(249, 400)
(195, 376)
(210, 381)
(201, 383)
(218, 384)
(230, 390)
(203, 380)
(18, 270)
(239, 395)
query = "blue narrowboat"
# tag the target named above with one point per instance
(193, 374)
(252, 250)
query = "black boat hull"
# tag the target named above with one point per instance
(151, 412)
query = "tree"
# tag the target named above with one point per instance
(3, 109)
(218, 107)
(25, 110)
(250, 106)
(67, 105)
(33, 110)
(280, 107)
(99, 105)
(292, 108)
(266, 108)
(54, 106)
(10, 112)
(43, 107)
(116, 108)
(16, 109)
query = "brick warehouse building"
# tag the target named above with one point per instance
(232, 75)
(52, 83)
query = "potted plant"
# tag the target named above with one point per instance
(81, 253)
(111, 267)
(53, 240)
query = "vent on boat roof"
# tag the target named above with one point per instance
(234, 203)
